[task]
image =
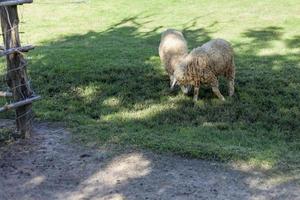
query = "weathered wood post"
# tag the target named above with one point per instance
(17, 78)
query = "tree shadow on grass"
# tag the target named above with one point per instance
(111, 87)
(119, 65)
(294, 42)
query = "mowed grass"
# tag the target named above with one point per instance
(97, 67)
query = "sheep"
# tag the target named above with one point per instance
(172, 49)
(205, 64)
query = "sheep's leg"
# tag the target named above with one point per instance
(231, 77)
(231, 87)
(196, 92)
(216, 91)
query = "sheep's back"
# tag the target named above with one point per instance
(197, 68)
(172, 47)
(220, 54)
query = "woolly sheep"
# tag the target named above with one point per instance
(205, 64)
(172, 49)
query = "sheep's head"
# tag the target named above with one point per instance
(180, 71)
(179, 75)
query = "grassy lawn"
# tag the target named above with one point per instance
(97, 67)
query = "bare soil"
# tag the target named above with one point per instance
(50, 166)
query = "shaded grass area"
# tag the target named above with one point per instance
(5, 135)
(110, 87)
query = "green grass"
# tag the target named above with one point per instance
(97, 67)
(5, 135)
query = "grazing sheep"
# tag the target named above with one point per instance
(172, 49)
(205, 64)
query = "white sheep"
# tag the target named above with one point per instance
(172, 50)
(205, 64)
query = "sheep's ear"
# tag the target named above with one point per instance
(173, 84)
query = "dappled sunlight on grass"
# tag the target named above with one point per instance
(87, 93)
(112, 101)
(141, 114)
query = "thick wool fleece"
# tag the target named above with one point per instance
(205, 64)
(172, 49)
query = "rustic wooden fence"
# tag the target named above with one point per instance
(19, 90)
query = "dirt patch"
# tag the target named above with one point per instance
(50, 166)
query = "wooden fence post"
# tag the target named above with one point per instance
(17, 78)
